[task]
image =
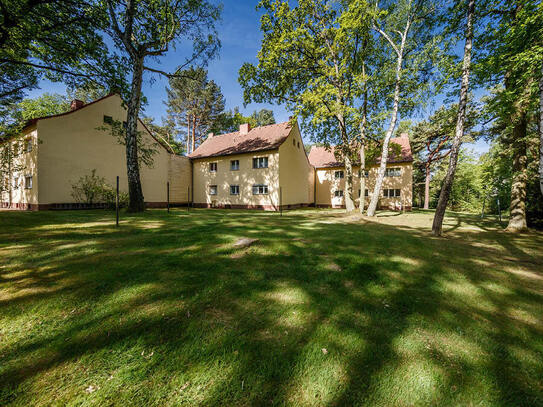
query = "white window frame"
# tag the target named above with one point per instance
(236, 188)
(260, 189)
(213, 190)
(213, 167)
(28, 145)
(28, 177)
(260, 162)
(393, 172)
(234, 167)
(338, 193)
(339, 174)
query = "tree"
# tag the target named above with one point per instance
(437, 225)
(143, 30)
(413, 24)
(262, 117)
(310, 59)
(510, 64)
(432, 138)
(58, 39)
(195, 104)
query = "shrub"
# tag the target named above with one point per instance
(91, 189)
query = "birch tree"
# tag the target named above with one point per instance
(406, 28)
(145, 30)
(437, 225)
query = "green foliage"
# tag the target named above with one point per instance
(195, 105)
(59, 40)
(93, 189)
(230, 121)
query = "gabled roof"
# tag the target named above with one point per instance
(320, 157)
(35, 120)
(258, 139)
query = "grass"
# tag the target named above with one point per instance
(325, 310)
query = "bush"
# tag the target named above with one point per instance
(92, 189)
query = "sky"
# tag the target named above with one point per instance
(239, 32)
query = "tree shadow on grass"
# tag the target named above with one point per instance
(317, 313)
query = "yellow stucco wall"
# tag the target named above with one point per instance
(327, 184)
(27, 165)
(71, 146)
(296, 175)
(245, 177)
(180, 177)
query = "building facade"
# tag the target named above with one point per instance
(261, 168)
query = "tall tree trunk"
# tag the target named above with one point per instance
(193, 141)
(437, 225)
(136, 201)
(362, 177)
(541, 131)
(384, 152)
(188, 134)
(348, 195)
(517, 218)
(427, 186)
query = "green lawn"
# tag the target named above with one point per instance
(324, 310)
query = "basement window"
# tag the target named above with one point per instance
(213, 190)
(260, 189)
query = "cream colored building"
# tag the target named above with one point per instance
(58, 150)
(262, 168)
(397, 188)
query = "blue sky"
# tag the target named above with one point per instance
(240, 36)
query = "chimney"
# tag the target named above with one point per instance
(76, 104)
(209, 135)
(244, 129)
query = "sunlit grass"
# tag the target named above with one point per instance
(323, 310)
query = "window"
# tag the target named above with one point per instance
(391, 193)
(393, 172)
(260, 162)
(213, 190)
(125, 125)
(365, 193)
(234, 189)
(260, 189)
(16, 183)
(338, 174)
(234, 165)
(28, 182)
(366, 173)
(213, 167)
(28, 145)
(338, 193)
(108, 119)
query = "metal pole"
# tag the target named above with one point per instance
(168, 195)
(281, 200)
(117, 203)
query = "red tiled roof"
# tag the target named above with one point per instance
(258, 139)
(321, 157)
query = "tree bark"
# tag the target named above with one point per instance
(517, 217)
(136, 201)
(188, 134)
(541, 131)
(372, 207)
(349, 201)
(362, 200)
(437, 225)
(427, 187)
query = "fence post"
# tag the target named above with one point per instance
(281, 200)
(117, 203)
(168, 196)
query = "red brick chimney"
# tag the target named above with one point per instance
(244, 129)
(76, 104)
